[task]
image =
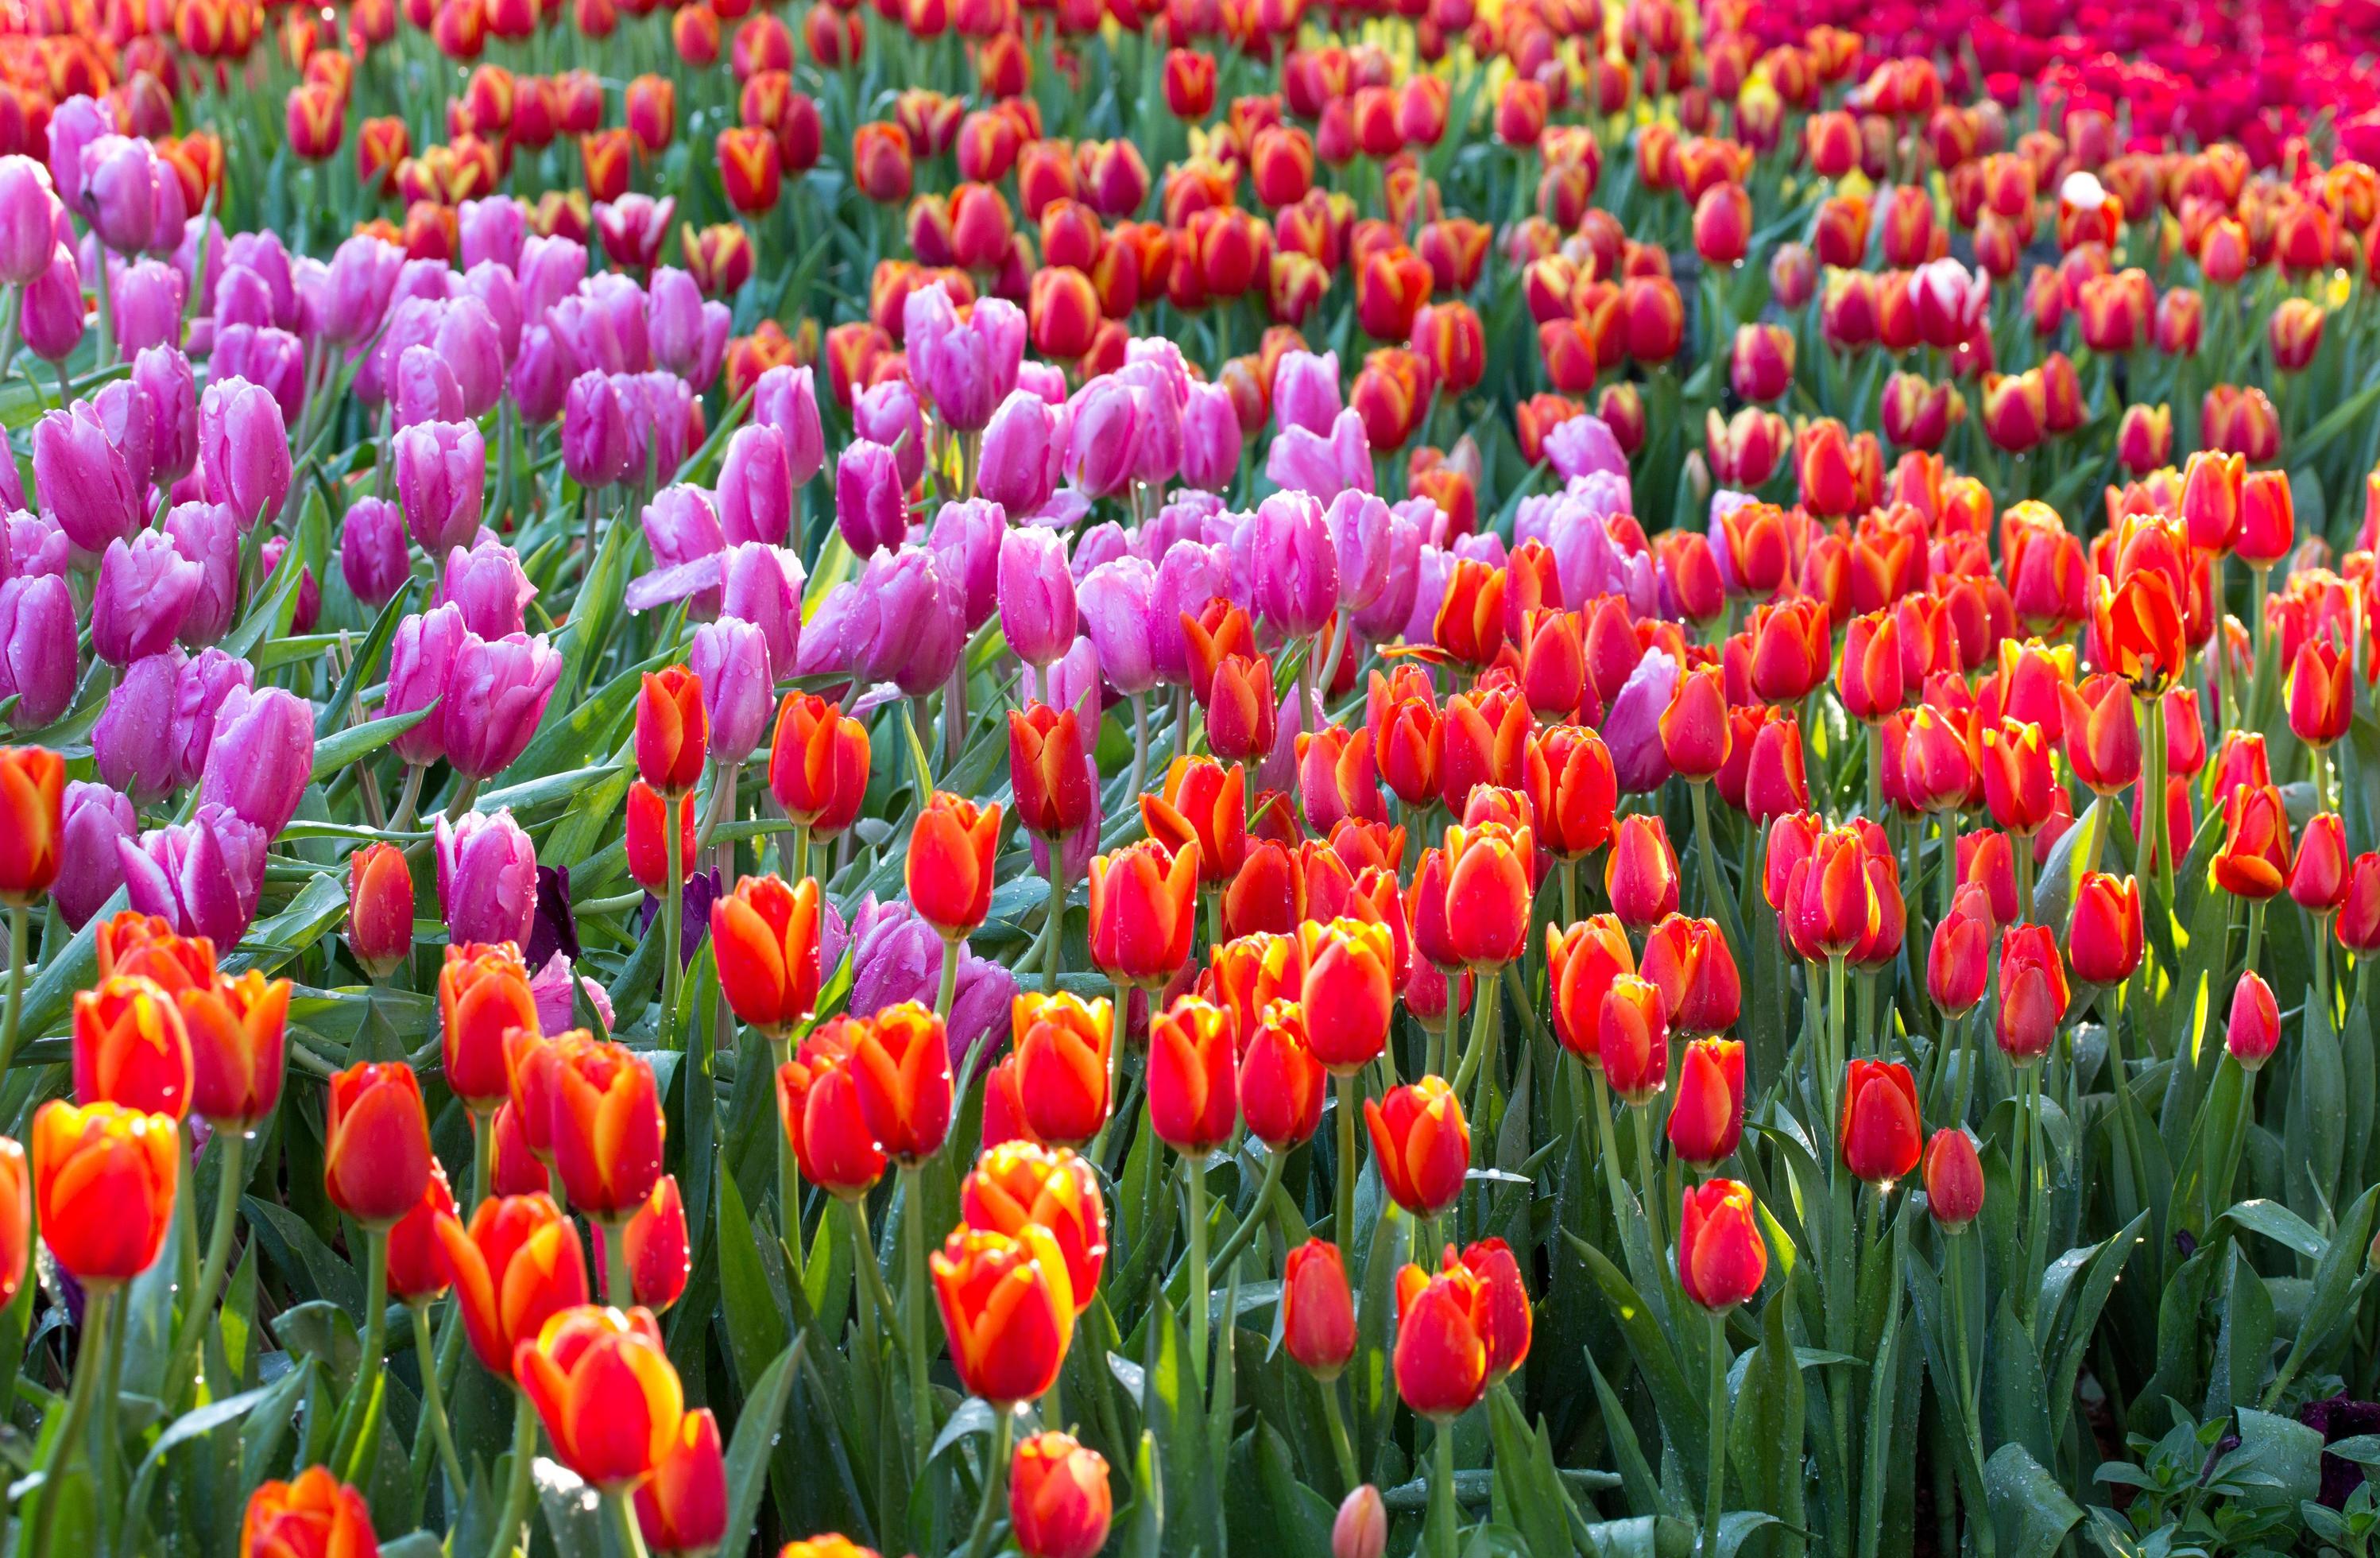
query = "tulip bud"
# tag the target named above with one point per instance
(2253, 1032)
(1721, 1256)
(1361, 1527)
(1954, 1179)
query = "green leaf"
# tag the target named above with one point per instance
(1680, 1407)
(181, 1430)
(758, 1424)
(352, 743)
(2030, 1514)
(2243, 1347)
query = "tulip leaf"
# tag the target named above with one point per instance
(1684, 1420)
(2243, 1345)
(2030, 1514)
(352, 743)
(2278, 1223)
(190, 1425)
(760, 1422)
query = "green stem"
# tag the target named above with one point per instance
(1139, 749)
(619, 1282)
(19, 936)
(1831, 1085)
(2037, 1191)
(672, 921)
(995, 1481)
(90, 1363)
(878, 1298)
(1715, 1489)
(1245, 1230)
(483, 1155)
(1342, 1448)
(1608, 1129)
(1193, 1175)
(433, 1407)
(1875, 772)
(2022, 848)
(517, 1483)
(950, 989)
(1343, 1227)
(359, 1430)
(801, 850)
(202, 1301)
(1483, 1000)
(1053, 927)
(1641, 1119)
(1443, 1515)
(2255, 933)
(789, 1175)
(913, 1311)
(621, 1503)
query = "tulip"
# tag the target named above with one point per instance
(38, 650)
(93, 819)
(606, 1129)
(605, 1391)
(2254, 862)
(487, 878)
(1879, 1136)
(2320, 694)
(1037, 610)
(33, 801)
(516, 1266)
(1420, 1145)
(765, 937)
(376, 1143)
(1722, 1256)
(1280, 1079)
(130, 1048)
(1691, 961)
(1707, 1118)
(950, 863)
(497, 693)
(1348, 992)
(1059, 1506)
(2318, 879)
(681, 1507)
(1008, 1305)
(2103, 936)
(261, 757)
(673, 731)
(315, 1514)
(818, 765)
(1317, 1310)
(1641, 876)
(1954, 1179)
(1582, 963)
(2253, 1029)
(1143, 909)
(2033, 993)
(1487, 893)
(2103, 737)
(483, 996)
(1444, 1334)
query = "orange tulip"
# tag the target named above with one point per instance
(516, 1265)
(1063, 1045)
(607, 1128)
(1691, 961)
(417, 1268)
(376, 1146)
(1487, 893)
(380, 908)
(1722, 1256)
(1193, 1093)
(900, 1062)
(2103, 935)
(2018, 782)
(2033, 993)
(1641, 875)
(948, 870)
(1577, 816)
(673, 732)
(236, 1031)
(2318, 879)
(32, 802)
(482, 996)
(818, 763)
(2255, 860)
(818, 1109)
(2321, 692)
(1581, 963)
(1203, 802)
(1317, 1309)
(606, 1391)
(103, 1179)
(1442, 1340)
(1707, 1118)
(1349, 992)
(1631, 1038)
(130, 1048)
(1009, 1307)
(131, 944)
(1059, 1506)
(1954, 1179)
(764, 937)
(1019, 1184)
(1420, 1144)
(681, 1507)
(1144, 907)
(1280, 1078)
(1249, 973)
(1878, 1136)
(2138, 627)
(2103, 733)
(315, 1514)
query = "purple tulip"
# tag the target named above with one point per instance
(762, 585)
(785, 398)
(208, 681)
(614, 314)
(162, 376)
(119, 177)
(243, 449)
(870, 500)
(1115, 600)
(1073, 681)
(242, 297)
(200, 877)
(662, 412)
(419, 657)
(1044, 379)
(493, 286)
(88, 872)
(37, 648)
(207, 536)
(1305, 392)
(442, 469)
(131, 745)
(1105, 438)
(468, 340)
(594, 432)
(144, 592)
(1586, 449)
(731, 659)
(307, 609)
(487, 585)
(966, 542)
(550, 987)
(1036, 595)
(424, 390)
(83, 481)
(262, 756)
(29, 220)
(1210, 438)
(123, 413)
(265, 256)
(30, 544)
(75, 124)
(1015, 468)
(1360, 530)
(1297, 583)
(1632, 729)
(908, 622)
(494, 228)
(1384, 616)
(148, 297)
(372, 555)
(1325, 467)
(550, 270)
(487, 878)
(895, 956)
(1188, 576)
(272, 359)
(1157, 453)
(363, 278)
(496, 692)
(1432, 566)
(49, 315)
(1103, 542)
(889, 413)
(543, 369)
(674, 319)
(755, 487)
(966, 367)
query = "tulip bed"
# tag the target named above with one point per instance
(1189, 776)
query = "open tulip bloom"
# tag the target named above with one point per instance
(1539, 772)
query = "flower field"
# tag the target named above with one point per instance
(1166, 777)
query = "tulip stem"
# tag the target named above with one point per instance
(619, 1282)
(1641, 1118)
(1245, 1229)
(1342, 1448)
(359, 1428)
(1483, 1005)
(995, 1478)
(407, 799)
(2255, 933)
(2024, 852)
(1140, 747)
(2036, 1190)
(1339, 635)
(1831, 1084)
(621, 1503)
(950, 989)
(1194, 1179)
(801, 866)
(1720, 907)
(1715, 1488)
(483, 1155)
(673, 919)
(433, 1407)
(89, 1363)
(2154, 813)
(1053, 926)
(913, 1310)
(201, 1300)
(789, 1174)
(516, 1485)
(875, 1297)
(1444, 1519)
(1343, 1226)
(1610, 1153)
(19, 935)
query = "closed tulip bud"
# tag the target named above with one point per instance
(607, 1128)
(1348, 994)
(681, 1507)
(655, 1244)
(950, 863)
(1317, 1309)
(2359, 912)
(1582, 962)
(1059, 1506)
(2253, 1030)
(2103, 935)
(1640, 877)
(2017, 777)
(32, 806)
(2321, 693)
(315, 1514)
(1193, 1096)
(1707, 1117)
(1878, 1136)
(2318, 879)
(2254, 862)
(2144, 438)
(1063, 1044)
(1280, 1079)
(487, 878)
(1694, 726)
(418, 1269)
(1444, 1332)
(648, 835)
(1691, 962)
(130, 1048)
(1487, 893)
(1037, 610)
(1722, 1256)
(2103, 736)
(818, 763)
(376, 1143)
(1633, 1038)
(237, 1030)
(902, 1065)
(1143, 909)
(604, 1388)
(483, 996)
(1420, 1144)
(2033, 993)
(673, 731)
(1954, 1179)
(765, 936)
(1008, 1305)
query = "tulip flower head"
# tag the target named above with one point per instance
(605, 1390)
